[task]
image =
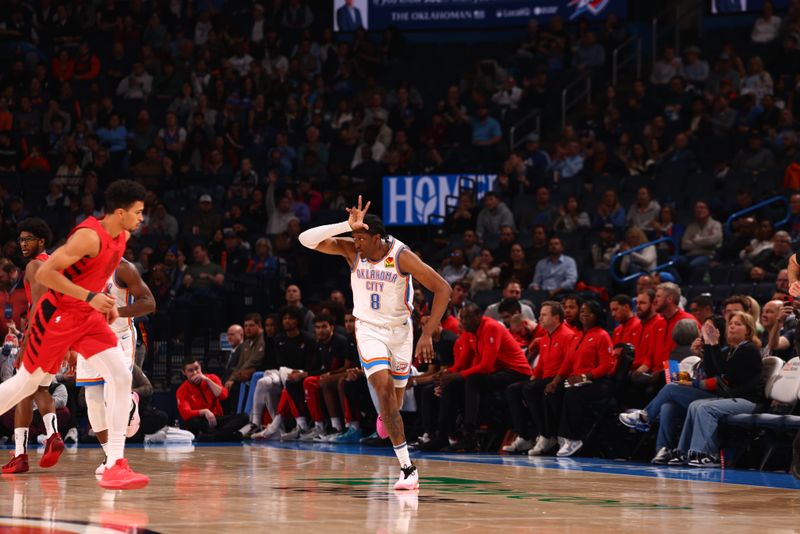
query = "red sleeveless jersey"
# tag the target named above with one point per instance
(93, 273)
(43, 258)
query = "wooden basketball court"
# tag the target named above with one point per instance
(307, 488)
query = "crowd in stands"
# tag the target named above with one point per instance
(248, 122)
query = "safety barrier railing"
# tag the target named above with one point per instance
(660, 267)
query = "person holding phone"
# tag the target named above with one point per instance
(731, 375)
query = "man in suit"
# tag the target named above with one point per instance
(348, 17)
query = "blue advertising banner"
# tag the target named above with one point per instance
(464, 14)
(411, 200)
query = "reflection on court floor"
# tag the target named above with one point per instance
(278, 487)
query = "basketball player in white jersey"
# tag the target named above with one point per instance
(382, 272)
(134, 299)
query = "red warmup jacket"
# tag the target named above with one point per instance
(192, 399)
(497, 350)
(591, 352)
(552, 351)
(628, 332)
(648, 349)
(463, 352)
(665, 343)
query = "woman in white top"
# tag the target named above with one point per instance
(643, 260)
(766, 27)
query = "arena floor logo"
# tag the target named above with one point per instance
(453, 490)
(595, 7)
(32, 525)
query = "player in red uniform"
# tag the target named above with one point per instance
(34, 236)
(75, 314)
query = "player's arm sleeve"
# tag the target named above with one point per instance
(487, 359)
(224, 393)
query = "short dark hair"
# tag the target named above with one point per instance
(189, 360)
(473, 308)
(596, 309)
(123, 193)
(324, 318)
(462, 283)
(573, 296)
(622, 300)
(703, 301)
(274, 317)
(294, 313)
(511, 306)
(375, 224)
(255, 317)
(512, 280)
(737, 299)
(650, 292)
(38, 228)
(555, 308)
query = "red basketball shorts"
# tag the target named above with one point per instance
(54, 331)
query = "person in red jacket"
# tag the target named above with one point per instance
(668, 297)
(499, 362)
(199, 401)
(644, 383)
(629, 327)
(582, 379)
(553, 345)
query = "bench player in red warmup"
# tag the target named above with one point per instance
(75, 314)
(382, 272)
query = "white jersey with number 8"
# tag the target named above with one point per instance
(382, 295)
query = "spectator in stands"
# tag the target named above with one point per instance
(503, 250)
(517, 267)
(762, 241)
(538, 249)
(493, 215)
(755, 158)
(766, 265)
(294, 299)
(695, 70)
(609, 211)
(644, 211)
(464, 216)
(552, 348)
(499, 362)
(203, 275)
(733, 304)
(605, 248)
(629, 327)
(199, 400)
(777, 339)
(280, 211)
(758, 81)
(483, 273)
(643, 260)
(590, 54)
(454, 267)
(782, 282)
(486, 131)
(556, 273)
(235, 257)
(235, 336)
(572, 217)
(469, 240)
(731, 384)
(204, 221)
(512, 289)
(702, 238)
(250, 358)
(543, 212)
(666, 68)
(767, 26)
(702, 307)
(566, 167)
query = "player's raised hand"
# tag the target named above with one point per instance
(356, 219)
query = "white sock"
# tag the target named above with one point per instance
(319, 425)
(50, 424)
(354, 424)
(401, 451)
(20, 441)
(336, 423)
(302, 423)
